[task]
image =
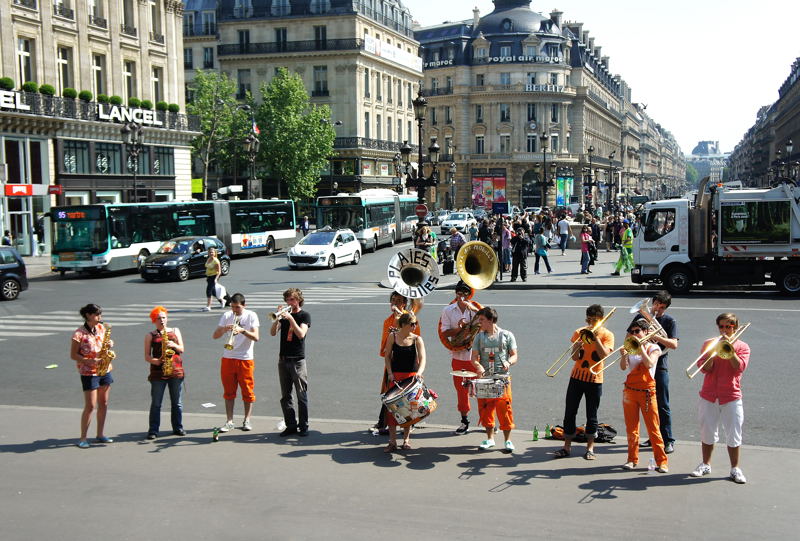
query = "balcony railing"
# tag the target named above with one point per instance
(373, 144)
(58, 107)
(156, 37)
(320, 93)
(200, 30)
(129, 30)
(289, 46)
(438, 91)
(63, 11)
(30, 4)
(94, 20)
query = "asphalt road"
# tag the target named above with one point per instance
(347, 310)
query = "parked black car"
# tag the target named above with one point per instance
(183, 257)
(13, 276)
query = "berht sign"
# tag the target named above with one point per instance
(123, 114)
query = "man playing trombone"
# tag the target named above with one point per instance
(238, 364)
(590, 344)
(723, 360)
(666, 341)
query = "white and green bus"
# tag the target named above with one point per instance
(120, 236)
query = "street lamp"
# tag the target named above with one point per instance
(251, 145)
(452, 177)
(544, 182)
(612, 184)
(417, 179)
(789, 149)
(591, 184)
(133, 138)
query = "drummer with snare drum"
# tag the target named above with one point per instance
(494, 350)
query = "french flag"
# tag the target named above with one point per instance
(255, 129)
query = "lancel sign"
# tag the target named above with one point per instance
(12, 100)
(123, 114)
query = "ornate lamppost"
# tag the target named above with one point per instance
(591, 184)
(451, 173)
(544, 182)
(133, 138)
(612, 181)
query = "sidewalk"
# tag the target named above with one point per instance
(38, 266)
(338, 483)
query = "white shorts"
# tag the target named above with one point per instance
(731, 415)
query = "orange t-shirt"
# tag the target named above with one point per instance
(589, 356)
(389, 323)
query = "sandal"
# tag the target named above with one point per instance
(589, 455)
(390, 448)
(561, 453)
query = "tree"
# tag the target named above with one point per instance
(221, 119)
(692, 176)
(296, 137)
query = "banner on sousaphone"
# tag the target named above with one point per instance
(413, 273)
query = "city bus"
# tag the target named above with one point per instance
(120, 236)
(377, 216)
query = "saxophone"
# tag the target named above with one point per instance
(105, 355)
(166, 354)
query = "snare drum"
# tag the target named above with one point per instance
(410, 401)
(489, 387)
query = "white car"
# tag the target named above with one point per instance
(460, 220)
(325, 247)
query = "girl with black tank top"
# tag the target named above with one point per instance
(405, 358)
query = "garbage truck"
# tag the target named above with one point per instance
(721, 235)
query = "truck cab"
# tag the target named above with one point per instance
(661, 246)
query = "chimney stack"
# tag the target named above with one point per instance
(476, 17)
(555, 15)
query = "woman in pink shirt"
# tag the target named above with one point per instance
(721, 398)
(586, 240)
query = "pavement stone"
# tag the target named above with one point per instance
(339, 483)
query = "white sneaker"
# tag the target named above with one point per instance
(487, 444)
(701, 470)
(206, 308)
(226, 427)
(463, 429)
(246, 426)
(738, 476)
(509, 446)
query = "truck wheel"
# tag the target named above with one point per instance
(677, 280)
(789, 281)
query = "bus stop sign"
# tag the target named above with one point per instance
(421, 211)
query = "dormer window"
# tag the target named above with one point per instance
(507, 25)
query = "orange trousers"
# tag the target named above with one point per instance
(633, 402)
(462, 392)
(487, 407)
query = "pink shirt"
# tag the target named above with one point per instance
(586, 238)
(89, 346)
(723, 382)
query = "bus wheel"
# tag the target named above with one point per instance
(183, 273)
(62, 273)
(391, 240)
(270, 246)
(789, 281)
(374, 247)
(140, 259)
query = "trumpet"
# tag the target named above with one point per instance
(721, 347)
(275, 316)
(229, 343)
(631, 346)
(587, 336)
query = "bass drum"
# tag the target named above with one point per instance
(410, 401)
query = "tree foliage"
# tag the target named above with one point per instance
(296, 137)
(692, 176)
(221, 120)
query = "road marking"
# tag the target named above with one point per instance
(15, 334)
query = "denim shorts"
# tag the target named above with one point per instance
(90, 383)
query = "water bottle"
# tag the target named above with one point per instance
(535, 433)
(215, 435)
(651, 466)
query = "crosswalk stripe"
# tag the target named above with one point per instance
(21, 333)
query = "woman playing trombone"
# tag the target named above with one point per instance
(639, 395)
(723, 361)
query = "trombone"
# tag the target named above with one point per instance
(586, 336)
(631, 346)
(721, 347)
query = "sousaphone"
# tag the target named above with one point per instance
(413, 273)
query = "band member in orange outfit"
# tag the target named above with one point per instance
(639, 395)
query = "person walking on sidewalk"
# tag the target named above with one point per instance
(85, 349)
(638, 396)
(540, 251)
(519, 255)
(292, 368)
(586, 243)
(238, 363)
(563, 233)
(721, 398)
(625, 261)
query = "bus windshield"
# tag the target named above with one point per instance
(80, 231)
(342, 218)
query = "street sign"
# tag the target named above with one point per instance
(55, 189)
(421, 211)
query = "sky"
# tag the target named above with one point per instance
(703, 67)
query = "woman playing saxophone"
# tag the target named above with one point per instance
(87, 343)
(163, 348)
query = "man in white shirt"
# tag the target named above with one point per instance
(563, 233)
(238, 363)
(455, 321)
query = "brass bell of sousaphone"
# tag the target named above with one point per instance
(476, 264)
(413, 273)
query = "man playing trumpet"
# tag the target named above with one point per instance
(721, 394)
(590, 345)
(237, 365)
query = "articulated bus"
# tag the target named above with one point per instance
(377, 216)
(120, 236)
